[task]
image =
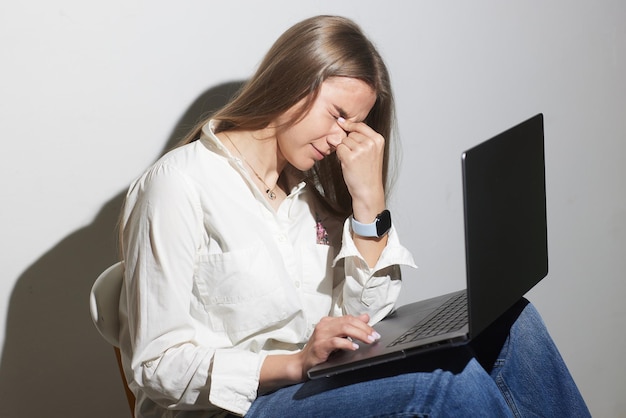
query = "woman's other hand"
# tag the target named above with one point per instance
(336, 333)
(330, 334)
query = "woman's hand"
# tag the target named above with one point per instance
(336, 333)
(361, 154)
(330, 334)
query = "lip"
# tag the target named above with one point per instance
(319, 155)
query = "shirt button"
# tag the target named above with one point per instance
(282, 238)
(297, 284)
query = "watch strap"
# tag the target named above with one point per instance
(376, 229)
(364, 230)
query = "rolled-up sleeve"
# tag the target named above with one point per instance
(365, 289)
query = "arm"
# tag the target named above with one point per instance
(172, 354)
(373, 284)
(361, 154)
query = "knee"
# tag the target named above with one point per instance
(530, 330)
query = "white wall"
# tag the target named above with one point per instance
(92, 92)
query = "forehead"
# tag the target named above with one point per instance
(352, 97)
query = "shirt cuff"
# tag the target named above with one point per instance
(393, 253)
(233, 387)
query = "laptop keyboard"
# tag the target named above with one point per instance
(450, 316)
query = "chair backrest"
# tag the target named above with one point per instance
(104, 302)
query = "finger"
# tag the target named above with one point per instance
(347, 125)
(361, 127)
(344, 344)
(354, 327)
(356, 139)
(360, 133)
(353, 149)
(364, 317)
(357, 328)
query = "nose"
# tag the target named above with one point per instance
(336, 137)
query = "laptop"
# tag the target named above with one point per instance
(506, 254)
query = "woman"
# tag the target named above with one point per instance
(251, 253)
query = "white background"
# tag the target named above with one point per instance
(92, 92)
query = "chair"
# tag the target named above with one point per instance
(104, 306)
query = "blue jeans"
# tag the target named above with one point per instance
(512, 370)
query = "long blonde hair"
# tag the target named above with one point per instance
(294, 68)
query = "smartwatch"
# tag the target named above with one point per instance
(377, 229)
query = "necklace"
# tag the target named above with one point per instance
(269, 191)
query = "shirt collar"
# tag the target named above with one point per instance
(212, 142)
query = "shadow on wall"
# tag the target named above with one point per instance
(54, 362)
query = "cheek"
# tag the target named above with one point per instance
(318, 123)
(291, 145)
(303, 134)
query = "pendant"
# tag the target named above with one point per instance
(270, 194)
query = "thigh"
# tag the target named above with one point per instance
(469, 391)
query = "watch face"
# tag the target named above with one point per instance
(383, 223)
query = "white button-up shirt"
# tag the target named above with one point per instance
(215, 280)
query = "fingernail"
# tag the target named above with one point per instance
(373, 337)
(340, 119)
(355, 346)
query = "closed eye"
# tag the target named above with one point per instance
(342, 113)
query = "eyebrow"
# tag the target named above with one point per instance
(341, 112)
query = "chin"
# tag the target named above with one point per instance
(303, 165)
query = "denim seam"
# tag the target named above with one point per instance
(500, 381)
(508, 397)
